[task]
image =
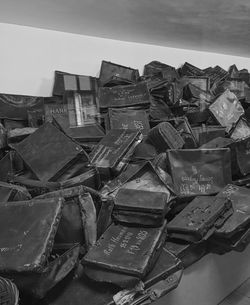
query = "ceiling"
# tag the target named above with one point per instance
(221, 26)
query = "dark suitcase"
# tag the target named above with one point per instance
(48, 152)
(33, 223)
(77, 114)
(200, 218)
(241, 130)
(109, 69)
(164, 136)
(240, 219)
(206, 133)
(66, 81)
(140, 208)
(124, 255)
(78, 221)
(126, 118)
(124, 96)
(113, 152)
(14, 106)
(199, 171)
(12, 192)
(227, 109)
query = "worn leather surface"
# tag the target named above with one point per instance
(12, 192)
(16, 106)
(109, 69)
(125, 118)
(139, 200)
(124, 96)
(198, 217)
(240, 219)
(39, 284)
(227, 109)
(127, 250)
(242, 149)
(26, 224)
(48, 151)
(108, 155)
(200, 171)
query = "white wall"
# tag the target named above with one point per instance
(29, 56)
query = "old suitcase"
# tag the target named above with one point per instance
(163, 278)
(77, 114)
(109, 69)
(141, 208)
(241, 130)
(112, 153)
(73, 227)
(33, 223)
(216, 74)
(183, 127)
(240, 220)
(242, 155)
(206, 133)
(199, 171)
(16, 106)
(227, 109)
(202, 82)
(168, 92)
(189, 70)
(124, 96)
(162, 70)
(200, 218)
(12, 192)
(66, 81)
(124, 255)
(145, 177)
(48, 152)
(129, 118)
(164, 136)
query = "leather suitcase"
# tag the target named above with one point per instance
(126, 118)
(140, 208)
(199, 171)
(124, 255)
(239, 196)
(77, 114)
(113, 152)
(164, 136)
(109, 69)
(78, 221)
(16, 107)
(124, 96)
(227, 109)
(33, 224)
(12, 192)
(200, 218)
(66, 81)
(241, 130)
(48, 152)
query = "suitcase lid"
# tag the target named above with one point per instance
(125, 249)
(27, 231)
(139, 200)
(47, 151)
(199, 216)
(239, 197)
(200, 171)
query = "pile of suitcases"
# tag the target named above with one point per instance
(114, 185)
